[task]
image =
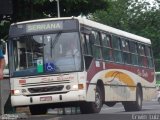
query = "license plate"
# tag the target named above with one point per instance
(47, 98)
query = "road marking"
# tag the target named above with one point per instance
(56, 118)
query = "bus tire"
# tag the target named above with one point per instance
(93, 107)
(134, 105)
(37, 109)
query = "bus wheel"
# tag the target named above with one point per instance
(37, 109)
(93, 107)
(134, 105)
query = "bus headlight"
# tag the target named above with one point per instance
(75, 87)
(16, 92)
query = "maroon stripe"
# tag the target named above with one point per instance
(146, 73)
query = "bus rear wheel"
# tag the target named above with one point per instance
(37, 109)
(134, 105)
(93, 107)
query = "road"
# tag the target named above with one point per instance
(150, 111)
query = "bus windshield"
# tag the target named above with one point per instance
(49, 53)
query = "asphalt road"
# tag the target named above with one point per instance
(150, 111)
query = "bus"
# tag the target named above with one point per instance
(108, 66)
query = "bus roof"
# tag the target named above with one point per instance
(95, 25)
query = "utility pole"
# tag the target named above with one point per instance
(58, 9)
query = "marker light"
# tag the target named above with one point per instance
(79, 86)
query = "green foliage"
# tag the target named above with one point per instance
(35, 9)
(115, 15)
(4, 27)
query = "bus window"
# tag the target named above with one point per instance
(86, 44)
(62, 51)
(97, 37)
(107, 50)
(96, 48)
(126, 52)
(134, 53)
(142, 57)
(117, 49)
(149, 56)
(28, 52)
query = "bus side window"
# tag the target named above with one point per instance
(149, 56)
(106, 49)
(134, 53)
(96, 47)
(126, 52)
(86, 50)
(84, 47)
(142, 57)
(117, 49)
(86, 44)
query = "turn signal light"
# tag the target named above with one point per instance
(80, 86)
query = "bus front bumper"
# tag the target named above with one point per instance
(52, 98)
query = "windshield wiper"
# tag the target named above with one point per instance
(53, 42)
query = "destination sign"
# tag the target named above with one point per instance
(32, 28)
(44, 26)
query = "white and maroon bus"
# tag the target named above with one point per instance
(106, 65)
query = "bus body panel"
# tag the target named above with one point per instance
(120, 84)
(120, 89)
(71, 96)
(36, 87)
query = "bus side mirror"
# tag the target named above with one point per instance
(92, 38)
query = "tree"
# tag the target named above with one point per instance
(29, 9)
(115, 15)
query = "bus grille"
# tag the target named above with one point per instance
(46, 89)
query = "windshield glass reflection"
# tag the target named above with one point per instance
(51, 53)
